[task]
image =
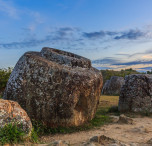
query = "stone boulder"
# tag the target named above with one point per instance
(113, 86)
(125, 120)
(136, 94)
(56, 87)
(11, 112)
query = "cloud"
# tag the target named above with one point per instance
(65, 31)
(147, 52)
(98, 34)
(146, 68)
(22, 44)
(131, 35)
(7, 8)
(94, 35)
(36, 15)
(106, 60)
(134, 63)
(63, 35)
(122, 54)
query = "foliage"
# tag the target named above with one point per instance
(4, 76)
(149, 72)
(107, 74)
(34, 136)
(10, 133)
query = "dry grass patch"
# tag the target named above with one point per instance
(108, 101)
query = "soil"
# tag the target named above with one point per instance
(140, 132)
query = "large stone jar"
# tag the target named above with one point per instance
(113, 86)
(56, 87)
(136, 94)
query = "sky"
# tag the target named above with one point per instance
(113, 34)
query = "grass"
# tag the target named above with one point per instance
(11, 134)
(102, 117)
(1, 93)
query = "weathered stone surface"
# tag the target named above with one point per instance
(103, 140)
(11, 112)
(56, 87)
(112, 86)
(59, 143)
(125, 120)
(136, 94)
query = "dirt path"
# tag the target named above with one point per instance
(140, 132)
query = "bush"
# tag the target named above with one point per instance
(11, 134)
(4, 76)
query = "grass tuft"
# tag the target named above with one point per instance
(11, 134)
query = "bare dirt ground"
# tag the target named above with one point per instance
(140, 132)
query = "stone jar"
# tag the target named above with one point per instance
(56, 87)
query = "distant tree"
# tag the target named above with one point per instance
(107, 74)
(149, 72)
(4, 76)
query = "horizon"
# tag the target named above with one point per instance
(112, 34)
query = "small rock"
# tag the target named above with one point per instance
(114, 118)
(133, 144)
(149, 141)
(59, 143)
(103, 140)
(125, 120)
(94, 139)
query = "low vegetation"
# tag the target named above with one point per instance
(4, 76)
(107, 74)
(11, 134)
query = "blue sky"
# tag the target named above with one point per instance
(114, 34)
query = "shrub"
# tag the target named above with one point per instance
(11, 134)
(4, 76)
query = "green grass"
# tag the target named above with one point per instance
(34, 136)
(11, 134)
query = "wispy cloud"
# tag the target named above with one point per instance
(106, 60)
(131, 35)
(62, 35)
(94, 35)
(98, 34)
(7, 8)
(146, 52)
